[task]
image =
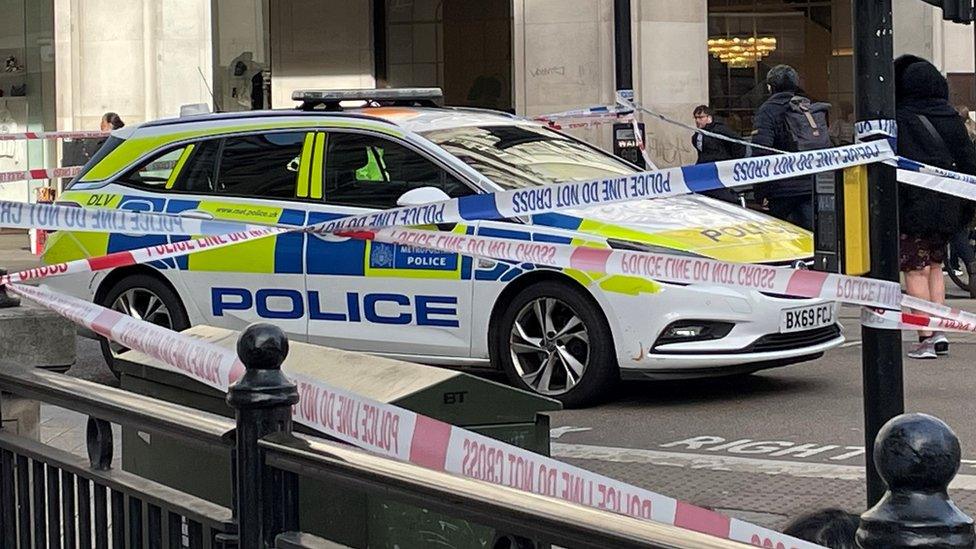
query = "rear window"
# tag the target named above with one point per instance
(107, 147)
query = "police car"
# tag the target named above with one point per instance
(563, 333)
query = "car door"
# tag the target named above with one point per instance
(251, 178)
(377, 297)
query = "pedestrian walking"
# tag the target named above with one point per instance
(931, 131)
(714, 149)
(788, 121)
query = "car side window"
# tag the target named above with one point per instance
(159, 173)
(372, 172)
(263, 165)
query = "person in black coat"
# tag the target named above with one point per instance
(713, 149)
(932, 132)
(789, 199)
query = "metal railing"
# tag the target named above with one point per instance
(50, 495)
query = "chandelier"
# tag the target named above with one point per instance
(741, 53)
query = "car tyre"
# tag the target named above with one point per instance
(141, 296)
(556, 326)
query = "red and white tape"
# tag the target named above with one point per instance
(895, 320)
(663, 267)
(141, 255)
(32, 136)
(41, 173)
(407, 436)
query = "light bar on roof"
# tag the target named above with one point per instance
(380, 95)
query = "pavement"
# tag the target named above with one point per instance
(763, 447)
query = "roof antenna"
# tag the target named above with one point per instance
(212, 96)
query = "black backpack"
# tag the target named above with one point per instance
(806, 123)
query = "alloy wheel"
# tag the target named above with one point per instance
(142, 304)
(550, 346)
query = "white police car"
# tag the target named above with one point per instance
(563, 333)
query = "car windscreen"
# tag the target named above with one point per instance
(107, 147)
(524, 155)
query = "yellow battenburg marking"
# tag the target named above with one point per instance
(318, 161)
(745, 242)
(134, 148)
(256, 256)
(179, 165)
(630, 285)
(303, 163)
(71, 245)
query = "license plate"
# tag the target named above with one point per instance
(806, 318)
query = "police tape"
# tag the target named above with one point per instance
(895, 320)
(55, 217)
(655, 266)
(404, 435)
(141, 255)
(31, 136)
(609, 190)
(184, 354)
(41, 173)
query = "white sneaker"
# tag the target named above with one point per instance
(923, 350)
(941, 343)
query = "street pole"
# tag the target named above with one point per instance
(623, 51)
(874, 95)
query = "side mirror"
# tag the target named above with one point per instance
(422, 195)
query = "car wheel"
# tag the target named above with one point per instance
(552, 339)
(146, 298)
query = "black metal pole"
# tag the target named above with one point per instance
(623, 51)
(874, 94)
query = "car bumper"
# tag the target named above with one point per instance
(754, 342)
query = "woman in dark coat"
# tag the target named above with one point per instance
(932, 132)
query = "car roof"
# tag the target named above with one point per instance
(410, 119)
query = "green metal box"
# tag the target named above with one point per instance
(351, 517)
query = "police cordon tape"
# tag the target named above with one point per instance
(404, 435)
(598, 116)
(662, 267)
(141, 255)
(54, 217)
(40, 173)
(895, 320)
(609, 190)
(31, 136)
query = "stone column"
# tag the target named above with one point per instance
(563, 58)
(671, 72)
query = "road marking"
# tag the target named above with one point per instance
(558, 432)
(728, 464)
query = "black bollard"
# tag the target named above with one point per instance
(263, 399)
(7, 300)
(917, 455)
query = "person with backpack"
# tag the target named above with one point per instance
(789, 122)
(929, 131)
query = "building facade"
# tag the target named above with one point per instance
(73, 60)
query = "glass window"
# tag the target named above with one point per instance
(157, 174)
(523, 155)
(368, 171)
(264, 165)
(198, 174)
